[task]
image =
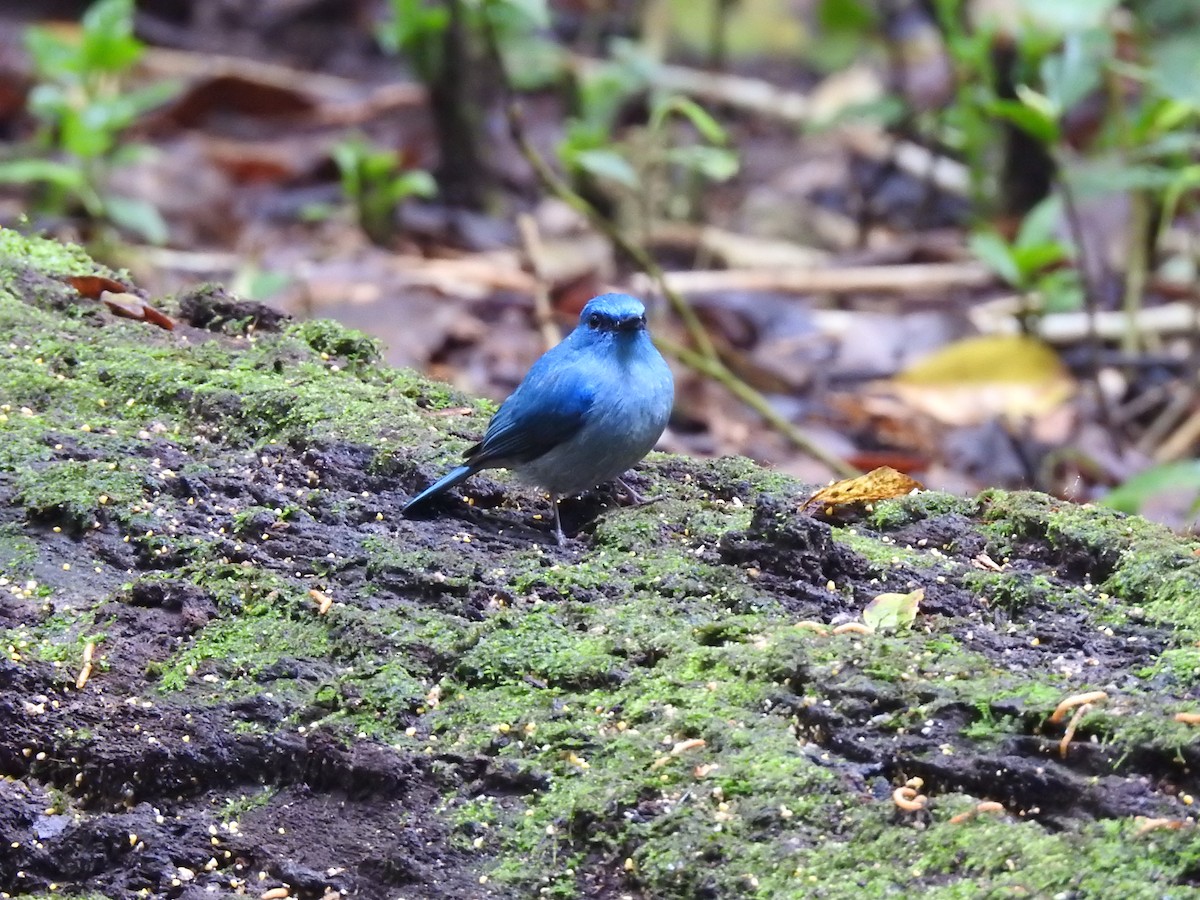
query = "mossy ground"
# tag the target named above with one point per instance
(657, 710)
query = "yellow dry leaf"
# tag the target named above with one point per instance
(878, 484)
(971, 381)
(971, 405)
(1011, 358)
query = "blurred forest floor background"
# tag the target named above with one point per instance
(955, 237)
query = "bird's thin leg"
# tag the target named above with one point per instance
(558, 532)
(634, 497)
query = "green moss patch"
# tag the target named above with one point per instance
(681, 702)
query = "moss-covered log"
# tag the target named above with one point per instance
(292, 685)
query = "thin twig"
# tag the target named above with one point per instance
(717, 371)
(557, 186)
(535, 253)
(1137, 250)
(704, 357)
(1091, 297)
(1181, 443)
(1137, 265)
(909, 278)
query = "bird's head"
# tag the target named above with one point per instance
(616, 314)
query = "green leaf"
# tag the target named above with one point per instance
(1099, 177)
(714, 163)
(882, 111)
(1031, 114)
(32, 171)
(1061, 290)
(349, 155)
(1187, 179)
(889, 612)
(108, 41)
(701, 120)
(53, 58)
(1176, 69)
(112, 115)
(1065, 16)
(1034, 258)
(601, 93)
(84, 133)
(1183, 142)
(317, 212)
(253, 283)
(1072, 73)
(1175, 477)
(579, 136)
(416, 29)
(514, 16)
(132, 154)
(847, 15)
(137, 216)
(606, 164)
(135, 103)
(995, 253)
(414, 183)
(533, 62)
(49, 102)
(1040, 223)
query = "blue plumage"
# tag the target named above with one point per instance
(588, 409)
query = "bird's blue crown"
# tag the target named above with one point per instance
(613, 312)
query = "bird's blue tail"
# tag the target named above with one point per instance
(443, 484)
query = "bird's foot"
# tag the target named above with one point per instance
(632, 496)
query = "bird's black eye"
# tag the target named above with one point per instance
(595, 320)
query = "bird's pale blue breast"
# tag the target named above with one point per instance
(632, 397)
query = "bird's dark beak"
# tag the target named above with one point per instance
(632, 323)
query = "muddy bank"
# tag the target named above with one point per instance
(292, 685)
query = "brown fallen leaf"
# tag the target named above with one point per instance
(92, 286)
(878, 484)
(241, 93)
(131, 306)
(248, 162)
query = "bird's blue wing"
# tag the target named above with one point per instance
(548, 408)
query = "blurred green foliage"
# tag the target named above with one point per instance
(375, 184)
(659, 168)
(416, 29)
(84, 107)
(1033, 261)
